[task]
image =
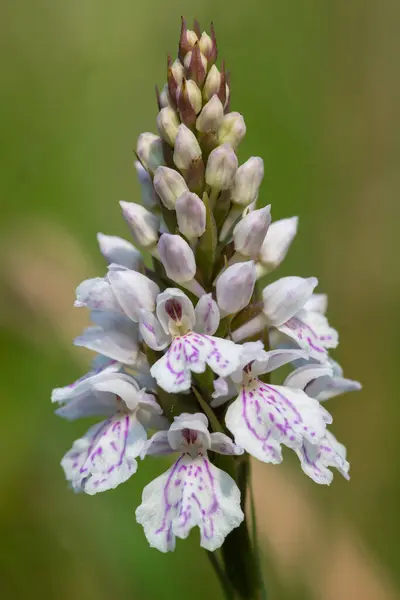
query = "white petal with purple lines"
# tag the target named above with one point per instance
(193, 492)
(106, 455)
(265, 416)
(192, 352)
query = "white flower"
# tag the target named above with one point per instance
(285, 309)
(180, 327)
(106, 455)
(115, 302)
(322, 381)
(316, 458)
(276, 244)
(264, 416)
(193, 492)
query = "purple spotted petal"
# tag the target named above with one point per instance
(106, 455)
(192, 352)
(192, 493)
(265, 416)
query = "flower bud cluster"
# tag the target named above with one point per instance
(191, 303)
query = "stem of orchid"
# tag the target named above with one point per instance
(250, 328)
(194, 287)
(230, 221)
(223, 579)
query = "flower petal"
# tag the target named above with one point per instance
(224, 390)
(192, 352)
(275, 359)
(316, 458)
(96, 394)
(152, 332)
(119, 251)
(114, 336)
(157, 445)
(207, 315)
(326, 388)
(97, 294)
(317, 303)
(223, 444)
(303, 376)
(311, 331)
(191, 493)
(285, 297)
(133, 291)
(265, 416)
(106, 455)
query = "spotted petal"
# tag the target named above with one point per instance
(106, 455)
(192, 352)
(316, 458)
(265, 416)
(312, 332)
(192, 493)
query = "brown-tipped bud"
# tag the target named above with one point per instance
(212, 84)
(150, 151)
(197, 28)
(175, 75)
(212, 57)
(194, 175)
(189, 101)
(211, 116)
(222, 87)
(167, 124)
(187, 40)
(206, 44)
(222, 165)
(232, 130)
(187, 149)
(196, 65)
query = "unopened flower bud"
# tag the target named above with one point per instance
(191, 215)
(187, 40)
(206, 44)
(187, 149)
(169, 185)
(167, 124)
(211, 116)
(164, 98)
(178, 71)
(250, 232)
(119, 251)
(149, 197)
(149, 150)
(247, 181)
(212, 83)
(177, 258)
(221, 167)
(189, 100)
(277, 242)
(232, 130)
(196, 65)
(235, 287)
(142, 223)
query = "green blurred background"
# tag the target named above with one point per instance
(318, 84)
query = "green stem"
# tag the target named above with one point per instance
(240, 551)
(224, 581)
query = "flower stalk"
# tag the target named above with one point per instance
(185, 349)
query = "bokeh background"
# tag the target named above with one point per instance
(318, 83)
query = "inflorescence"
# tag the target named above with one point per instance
(186, 345)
